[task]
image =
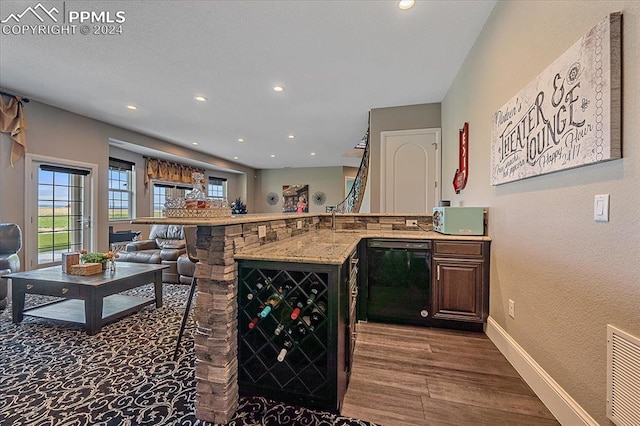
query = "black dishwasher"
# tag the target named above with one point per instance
(398, 287)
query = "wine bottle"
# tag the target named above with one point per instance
(254, 291)
(307, 320)
(287, 345)
(286, 288)
(254, 321)
(298, 304)
(300, 331)
(278, 329)
(296, 330)
(271, 303)
(293, 334)
(285, 313)
(276, 297)
(318, 314)
(314, 289)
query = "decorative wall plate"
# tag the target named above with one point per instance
(272, 198)
(318, 198)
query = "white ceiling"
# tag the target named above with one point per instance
(335, 59)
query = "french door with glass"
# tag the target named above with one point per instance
(59, 210)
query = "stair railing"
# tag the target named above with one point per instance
(353, 200)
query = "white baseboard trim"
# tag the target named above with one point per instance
(565, 409)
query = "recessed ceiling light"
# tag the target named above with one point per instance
(278, 89)
(406, 4)
(236, 157)
(292, 136)
(240, 140)
(132, 107)
(273, 156)
(200, 98)
(194, 143)
(313, 153)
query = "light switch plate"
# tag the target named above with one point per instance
(601, 208)
(262, 231)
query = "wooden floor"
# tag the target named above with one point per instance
(405, 375)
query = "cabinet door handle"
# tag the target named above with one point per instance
(29, 286)
(64, 290)
(438, 274)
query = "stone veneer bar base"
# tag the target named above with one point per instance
(216, 341)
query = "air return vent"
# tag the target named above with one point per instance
(623, 377)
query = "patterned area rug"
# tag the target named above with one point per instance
(53, 373)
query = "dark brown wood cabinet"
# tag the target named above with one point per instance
(460, 282)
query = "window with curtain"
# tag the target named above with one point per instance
(162, 191)
(217, 188)
(168, 172)
(121, 189)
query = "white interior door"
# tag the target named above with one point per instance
(410, 170)
(59, 209)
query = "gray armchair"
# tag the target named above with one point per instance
(165, 245)
(10, 245)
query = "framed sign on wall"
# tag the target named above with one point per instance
(569, 116)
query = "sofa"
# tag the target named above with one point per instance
(165, 245)
(10, 245)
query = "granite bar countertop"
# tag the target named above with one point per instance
(321, 246)
(223, 220)
(324, 247)
(333, 247)
(257, 217)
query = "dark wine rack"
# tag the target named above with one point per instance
(315, 369)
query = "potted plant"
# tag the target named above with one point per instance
(102, 258)
(238, 207)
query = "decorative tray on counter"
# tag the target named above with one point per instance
(196, 203)
(206, 212)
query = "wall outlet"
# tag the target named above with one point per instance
(299, 224)
(411, 222)
(262, 231)
(512, 309)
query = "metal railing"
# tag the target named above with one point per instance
(353, 200)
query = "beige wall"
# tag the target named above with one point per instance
(53, 132)
(568, 275)
(422, 116)
(329, 180)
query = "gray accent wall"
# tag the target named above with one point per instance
(329, 180)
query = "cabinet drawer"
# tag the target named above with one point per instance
(459, 248)
(51, 289)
